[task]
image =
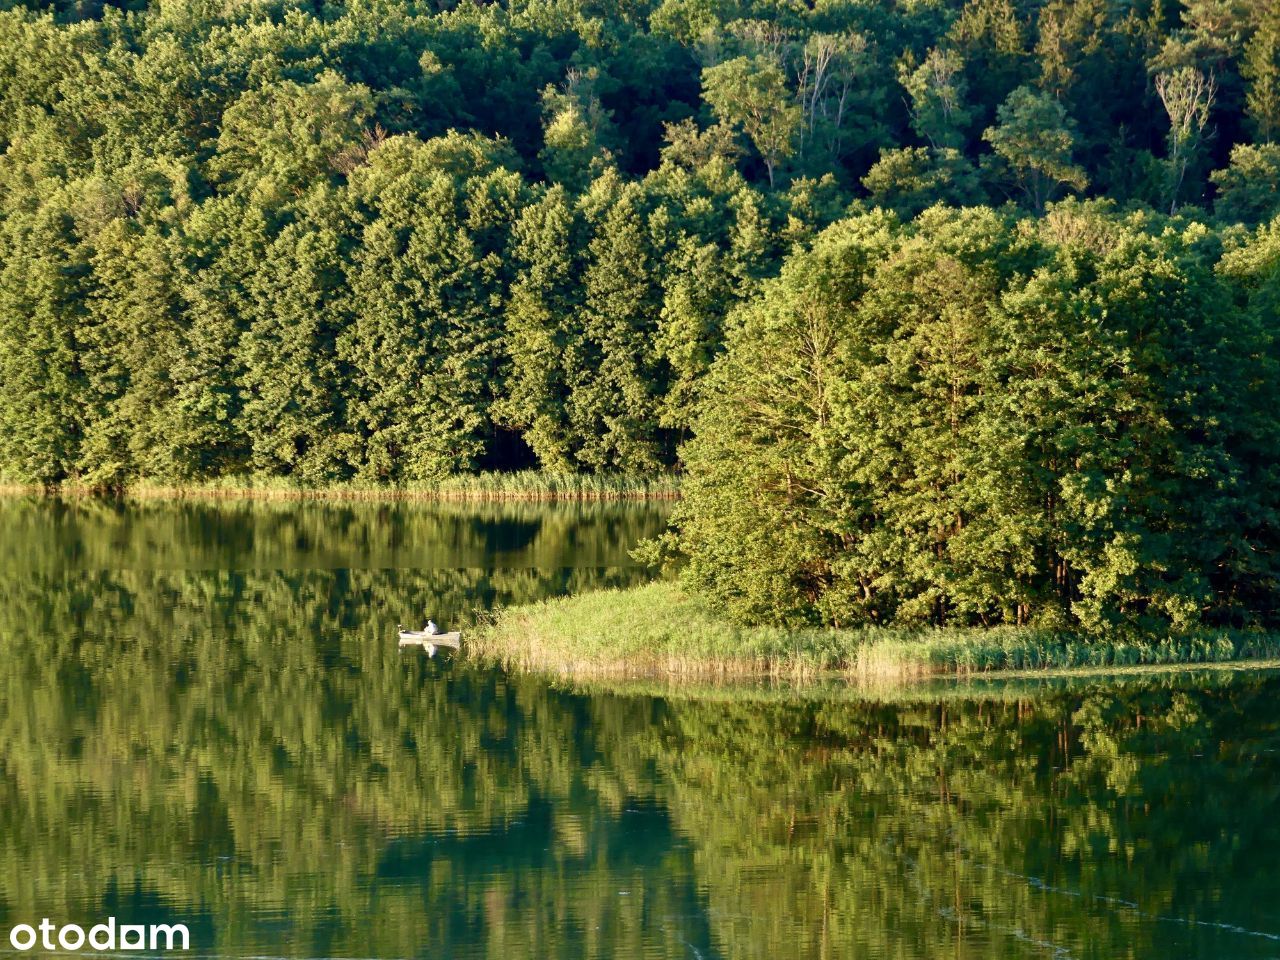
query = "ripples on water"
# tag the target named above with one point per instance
(204, 718)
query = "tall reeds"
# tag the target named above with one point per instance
(658, 631)
(532, 485)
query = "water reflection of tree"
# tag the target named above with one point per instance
(48, 535)
(249, 749)
(985, 828)
(241, 742)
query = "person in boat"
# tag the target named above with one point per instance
(432, 629)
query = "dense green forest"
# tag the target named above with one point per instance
(1069, 423)
(952, 311)
(383, 240)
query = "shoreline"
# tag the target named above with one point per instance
(656, 632)
(525, 485)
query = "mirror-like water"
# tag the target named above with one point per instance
(204, 718)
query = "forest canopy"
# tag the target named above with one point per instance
(382, 240)
(980, 419)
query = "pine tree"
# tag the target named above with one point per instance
(541, 329)
(615, 380)
(296, 387)
(43, 291)
(1261, 69)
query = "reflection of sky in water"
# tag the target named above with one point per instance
(246, 749)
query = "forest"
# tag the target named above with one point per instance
(969, 307)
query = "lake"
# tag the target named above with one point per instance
(204, 718)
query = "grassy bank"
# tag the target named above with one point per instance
(656, 630)
(521, 485)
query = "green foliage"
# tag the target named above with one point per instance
(965, 421)
(912, 179)
(658, 630)
(391, 243)
(281, 139)
(574, 132)
(758, 462)
(542, 304)
(293, 418)
(1249, 189)
(423, 341)
(752, 94)
(1187, 94)
(1033, 144)
(43, 293)
(938, 96)
(134, 354)
(1261, 69)
(487, 485)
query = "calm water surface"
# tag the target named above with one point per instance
(204, 717)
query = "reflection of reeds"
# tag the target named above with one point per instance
(656, 630)
(1005, 686)
(521, 485)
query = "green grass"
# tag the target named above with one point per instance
(657, 630)
(519, 485)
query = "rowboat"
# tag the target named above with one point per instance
(430, 642)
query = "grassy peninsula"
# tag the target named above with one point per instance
(659, 630)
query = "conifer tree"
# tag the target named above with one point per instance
(542, 329)
(44, 284)
(1261, 70)
(615, 380)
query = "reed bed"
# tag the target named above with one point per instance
(1001, 686)
(530, 485)
(658, 631)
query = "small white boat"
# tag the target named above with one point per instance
(429, 641)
